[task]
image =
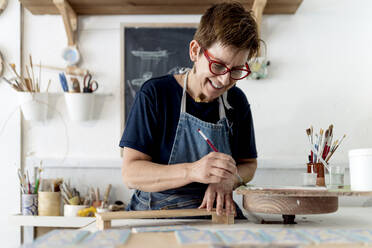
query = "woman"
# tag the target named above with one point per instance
(166, 160)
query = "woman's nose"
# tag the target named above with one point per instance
(225, 79)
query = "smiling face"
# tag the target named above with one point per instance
(203, 84)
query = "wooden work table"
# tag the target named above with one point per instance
(344, 218)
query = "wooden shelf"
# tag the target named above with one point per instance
(133, 7)
(51, 221)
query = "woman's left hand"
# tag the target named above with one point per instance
(222, 194)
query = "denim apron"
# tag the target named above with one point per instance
(188, 147)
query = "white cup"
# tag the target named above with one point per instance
(79, 105)
(72, 210)
(34, 105)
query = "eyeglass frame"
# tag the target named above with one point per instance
(206, 54)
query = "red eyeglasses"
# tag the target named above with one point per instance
(218, 68)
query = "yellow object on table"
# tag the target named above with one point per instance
(87, 212)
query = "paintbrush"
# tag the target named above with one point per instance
(29, 81)
(14, 86)
(320, 158)
(332, 150)
(308, 132)
(330, 155)
(13, 69)
(316, 155)
(320, 142)
(32, 70)
(326, 138)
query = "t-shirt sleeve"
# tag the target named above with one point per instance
(141, 124)
(243, 141)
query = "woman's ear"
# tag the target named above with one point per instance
(194, 50)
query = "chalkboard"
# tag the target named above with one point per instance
(149, 51)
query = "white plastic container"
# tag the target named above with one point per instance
(360, 164)
(34, 105)
(72, 210)
(79, 106)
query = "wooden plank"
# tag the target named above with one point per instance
(149, 214)
(118, 7)
(104, 219)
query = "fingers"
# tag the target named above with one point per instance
(219, 204)
(220, 173)
(204, 203)
(228, 205)
(210, 200)
(222, 161)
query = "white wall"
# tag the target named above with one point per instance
(319, 75)
(10, 129)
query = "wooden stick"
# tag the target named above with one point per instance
(70, 70)
(28, 80)
(33, 75)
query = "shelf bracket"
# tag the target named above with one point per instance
(69, 19)
(258, 8)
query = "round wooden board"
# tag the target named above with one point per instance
(299, 191)
(289, 205)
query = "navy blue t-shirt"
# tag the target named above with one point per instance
(152, 121)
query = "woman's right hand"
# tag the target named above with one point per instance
(213, 168)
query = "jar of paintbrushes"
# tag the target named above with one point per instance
(32, 100)
(49, 197)
(321, 151)
(29, 204)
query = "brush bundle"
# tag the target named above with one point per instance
(323, 147)
(31, 83)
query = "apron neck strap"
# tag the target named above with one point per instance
(222, 112)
